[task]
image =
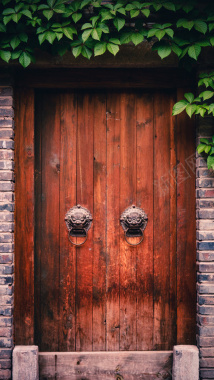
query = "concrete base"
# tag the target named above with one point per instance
(185, 363)
(25, 363)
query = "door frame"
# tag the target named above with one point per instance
(25, 84)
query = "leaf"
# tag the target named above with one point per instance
(137, 38)
(170, 6)
(179, 107)
(146, 12)
(170, 32)
(160, 34)
(176, 49)
(152, 32)
(213, 139)
(189, 96)
(210, 162)
(206, 95)
(15, 54)
(190, 109)
(2, 28)
(76, 17)
(134, 13)
(200, 148)
(212, 41)
(86, 34)
(112, 48)
(48, 14)
(25, 59)
(207, 149)
(15, 42)
(200, 26)
(42, 38)
(87, 53)
(68, 32)
(27, 13)
(205, 141)
(100, 48)
(164, 51)
(8, 11)
(96, 34)
(119, 23)
(76, 51)
(50, 37)
(194, 51)
(5, 55)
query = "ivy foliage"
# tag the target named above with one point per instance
(93, 27)
(206, 147)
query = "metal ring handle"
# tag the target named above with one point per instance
(77, 245)
(134, 245)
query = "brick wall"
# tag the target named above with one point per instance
(205, 257)
(6, 229)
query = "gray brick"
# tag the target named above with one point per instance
(7, 207)
(205, 182)
(6, 258)
(6, 342)
(205, 235)
(6, 133)
(6, 279)
(5, 332)
(205, 277)
(6, 123)
(6, 216)
(5, 353)
(206, 300)
(6, 91)
(6, 247)
(207, 374)
(205, 309)
(205, 193)
(204, 173)
(7, 300)
(6, 186)
(206, 203)
(206, 267)
(6, 311)
(6, 111)
(6, 237)
(6, 175)
(5, 363)
(6, 290)
(207, 352)
(6, 144)
(6, 196)
(204, 341)
(206, 213)
(206, 331)
(205, 255)
(201, 162)
(202, 224)
(205, 320)
(5, 374)
(6, 321)
(6, 101)
(205, 245)
(7, 227)
(6, 269)
(6, 165)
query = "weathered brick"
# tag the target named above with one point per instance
(6, 122)
(6, 100)
(6, 155)
(206, 267)
(5, 353)
(206, 331)
(204, 341)
(6, 144)
(7, 300)
(6, 258)
(204, 172)
(5, 332)
(206, 300)
(205, 235)
(205, 193)
(7, 227)
(201, 162)
(6, 196)
(202, 224)
(6, 91)
(205, 182)
(205, 309)
(7, 207)
(6, 342)
(6, 279)
(6, 290)
(6, 247)
(5, 374)
(5, 363)
(205, 277)
(6, 237)
(205, 245)
(207, 362)
(6, 133)
(207, 352)
(6, 175)
(205, 320)
(6, 186)
(6, 269)
(6, 311)
(206, 213)
(6, 111)
(6, 216)
(206, 203)
(6, 321)
(205, 255)
(205, 288)
(207, 374)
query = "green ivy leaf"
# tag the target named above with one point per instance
(190, 109)
(48, 14)
(200, 26)
(86, 34)
(210, 162)
(76, 51)
(86, 52)
(100, 48)
(179, 107)
(206, 95)
(207, 149)
(194, 51)
(15, 42)
(205, 141)
(68, 32)
(76, 17)
(146, 12)
(112, 48)
(200, 148)
(119, 23)
(5, 55)
(189, 96)
(137, 38)
(164, 51)
(25, 59)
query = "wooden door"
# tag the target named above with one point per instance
(105, 150)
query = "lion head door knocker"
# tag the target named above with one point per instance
(134, 221)
(78, 221)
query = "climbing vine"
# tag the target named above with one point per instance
(92, 28)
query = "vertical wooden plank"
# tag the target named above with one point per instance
(162, 333)
(85, 158)
(99, 251)
(49, 281)
(113, 223)
(186, 228)
(145, 201)
(127, 198)
(67, 200)
(24, 217)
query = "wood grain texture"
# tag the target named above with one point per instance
(85, 194)
(145, 280)
(99, 215)
(68, 136)
(113, 222)
(127, 198)
(106, 365)
(24, 216)
(186, 228)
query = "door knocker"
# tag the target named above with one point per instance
(133, 220)
(78, 221)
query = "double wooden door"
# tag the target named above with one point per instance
(105, 150)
